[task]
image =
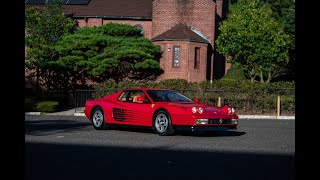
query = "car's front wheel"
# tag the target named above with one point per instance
(162, 124)
(98, 119)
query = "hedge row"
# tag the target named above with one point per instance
(247, 97)
(47, 106)
(40, 105)
(248, 102)
(225, 85)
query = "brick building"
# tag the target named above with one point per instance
(184, 29)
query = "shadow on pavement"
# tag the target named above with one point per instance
(65, 162)
(45, 127)
(54, 126)
(211, 133)
(149, 130)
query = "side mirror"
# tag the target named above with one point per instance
(141, 99)
(197, 100)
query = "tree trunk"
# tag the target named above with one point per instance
(252, 75)
(252, 79)
(269, 77)
(261, 77)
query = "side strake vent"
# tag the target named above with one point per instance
(118, 114)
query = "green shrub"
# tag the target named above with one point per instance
(47, 106)
(177, 84)
(235, 73)
(30, 103)
(104, 89)
(60, 96)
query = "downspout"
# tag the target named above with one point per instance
(188, 72)
(211, 70)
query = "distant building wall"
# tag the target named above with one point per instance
(186, 69)
(200, 14)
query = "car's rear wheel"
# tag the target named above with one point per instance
(98, 119)
(162, 124)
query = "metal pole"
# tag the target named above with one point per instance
(211, 68)
(219, 101)
(278, 107)
(75, 99)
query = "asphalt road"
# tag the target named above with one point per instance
(68, 147)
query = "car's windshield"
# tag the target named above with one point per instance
(167, 96)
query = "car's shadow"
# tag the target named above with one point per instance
(179, 132)
(210, 133)
(53, 126)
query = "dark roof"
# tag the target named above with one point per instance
(140, 9)
(180, 32)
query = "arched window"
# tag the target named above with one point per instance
(141, 29)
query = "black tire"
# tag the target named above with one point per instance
(161, 123)
(98, 119)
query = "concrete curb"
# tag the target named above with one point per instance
(79, 114)
(33, 113)
(265, 117)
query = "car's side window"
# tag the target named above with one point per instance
(136, 95)
(124, 96)
(133, 96)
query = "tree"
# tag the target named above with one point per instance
(116, 51)
(284, 12)
(251, 37)
(44, 26)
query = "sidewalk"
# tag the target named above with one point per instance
(72, 112)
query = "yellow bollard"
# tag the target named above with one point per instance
(219, 101)
(278, 107)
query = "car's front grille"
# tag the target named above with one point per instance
(219, 121)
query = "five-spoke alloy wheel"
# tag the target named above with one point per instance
(162, 123)
(98, 119)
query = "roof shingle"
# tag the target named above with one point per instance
(180, 32)
(111, 8)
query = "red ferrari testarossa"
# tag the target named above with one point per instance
(162, 109)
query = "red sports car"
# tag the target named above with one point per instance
(163, 110)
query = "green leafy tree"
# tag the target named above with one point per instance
(44, 26)
(284, 12)
(251, 37)
(111, 51)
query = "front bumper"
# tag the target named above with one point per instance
(206, 128)
(206, 121)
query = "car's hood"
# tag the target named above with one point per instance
(207, 108)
